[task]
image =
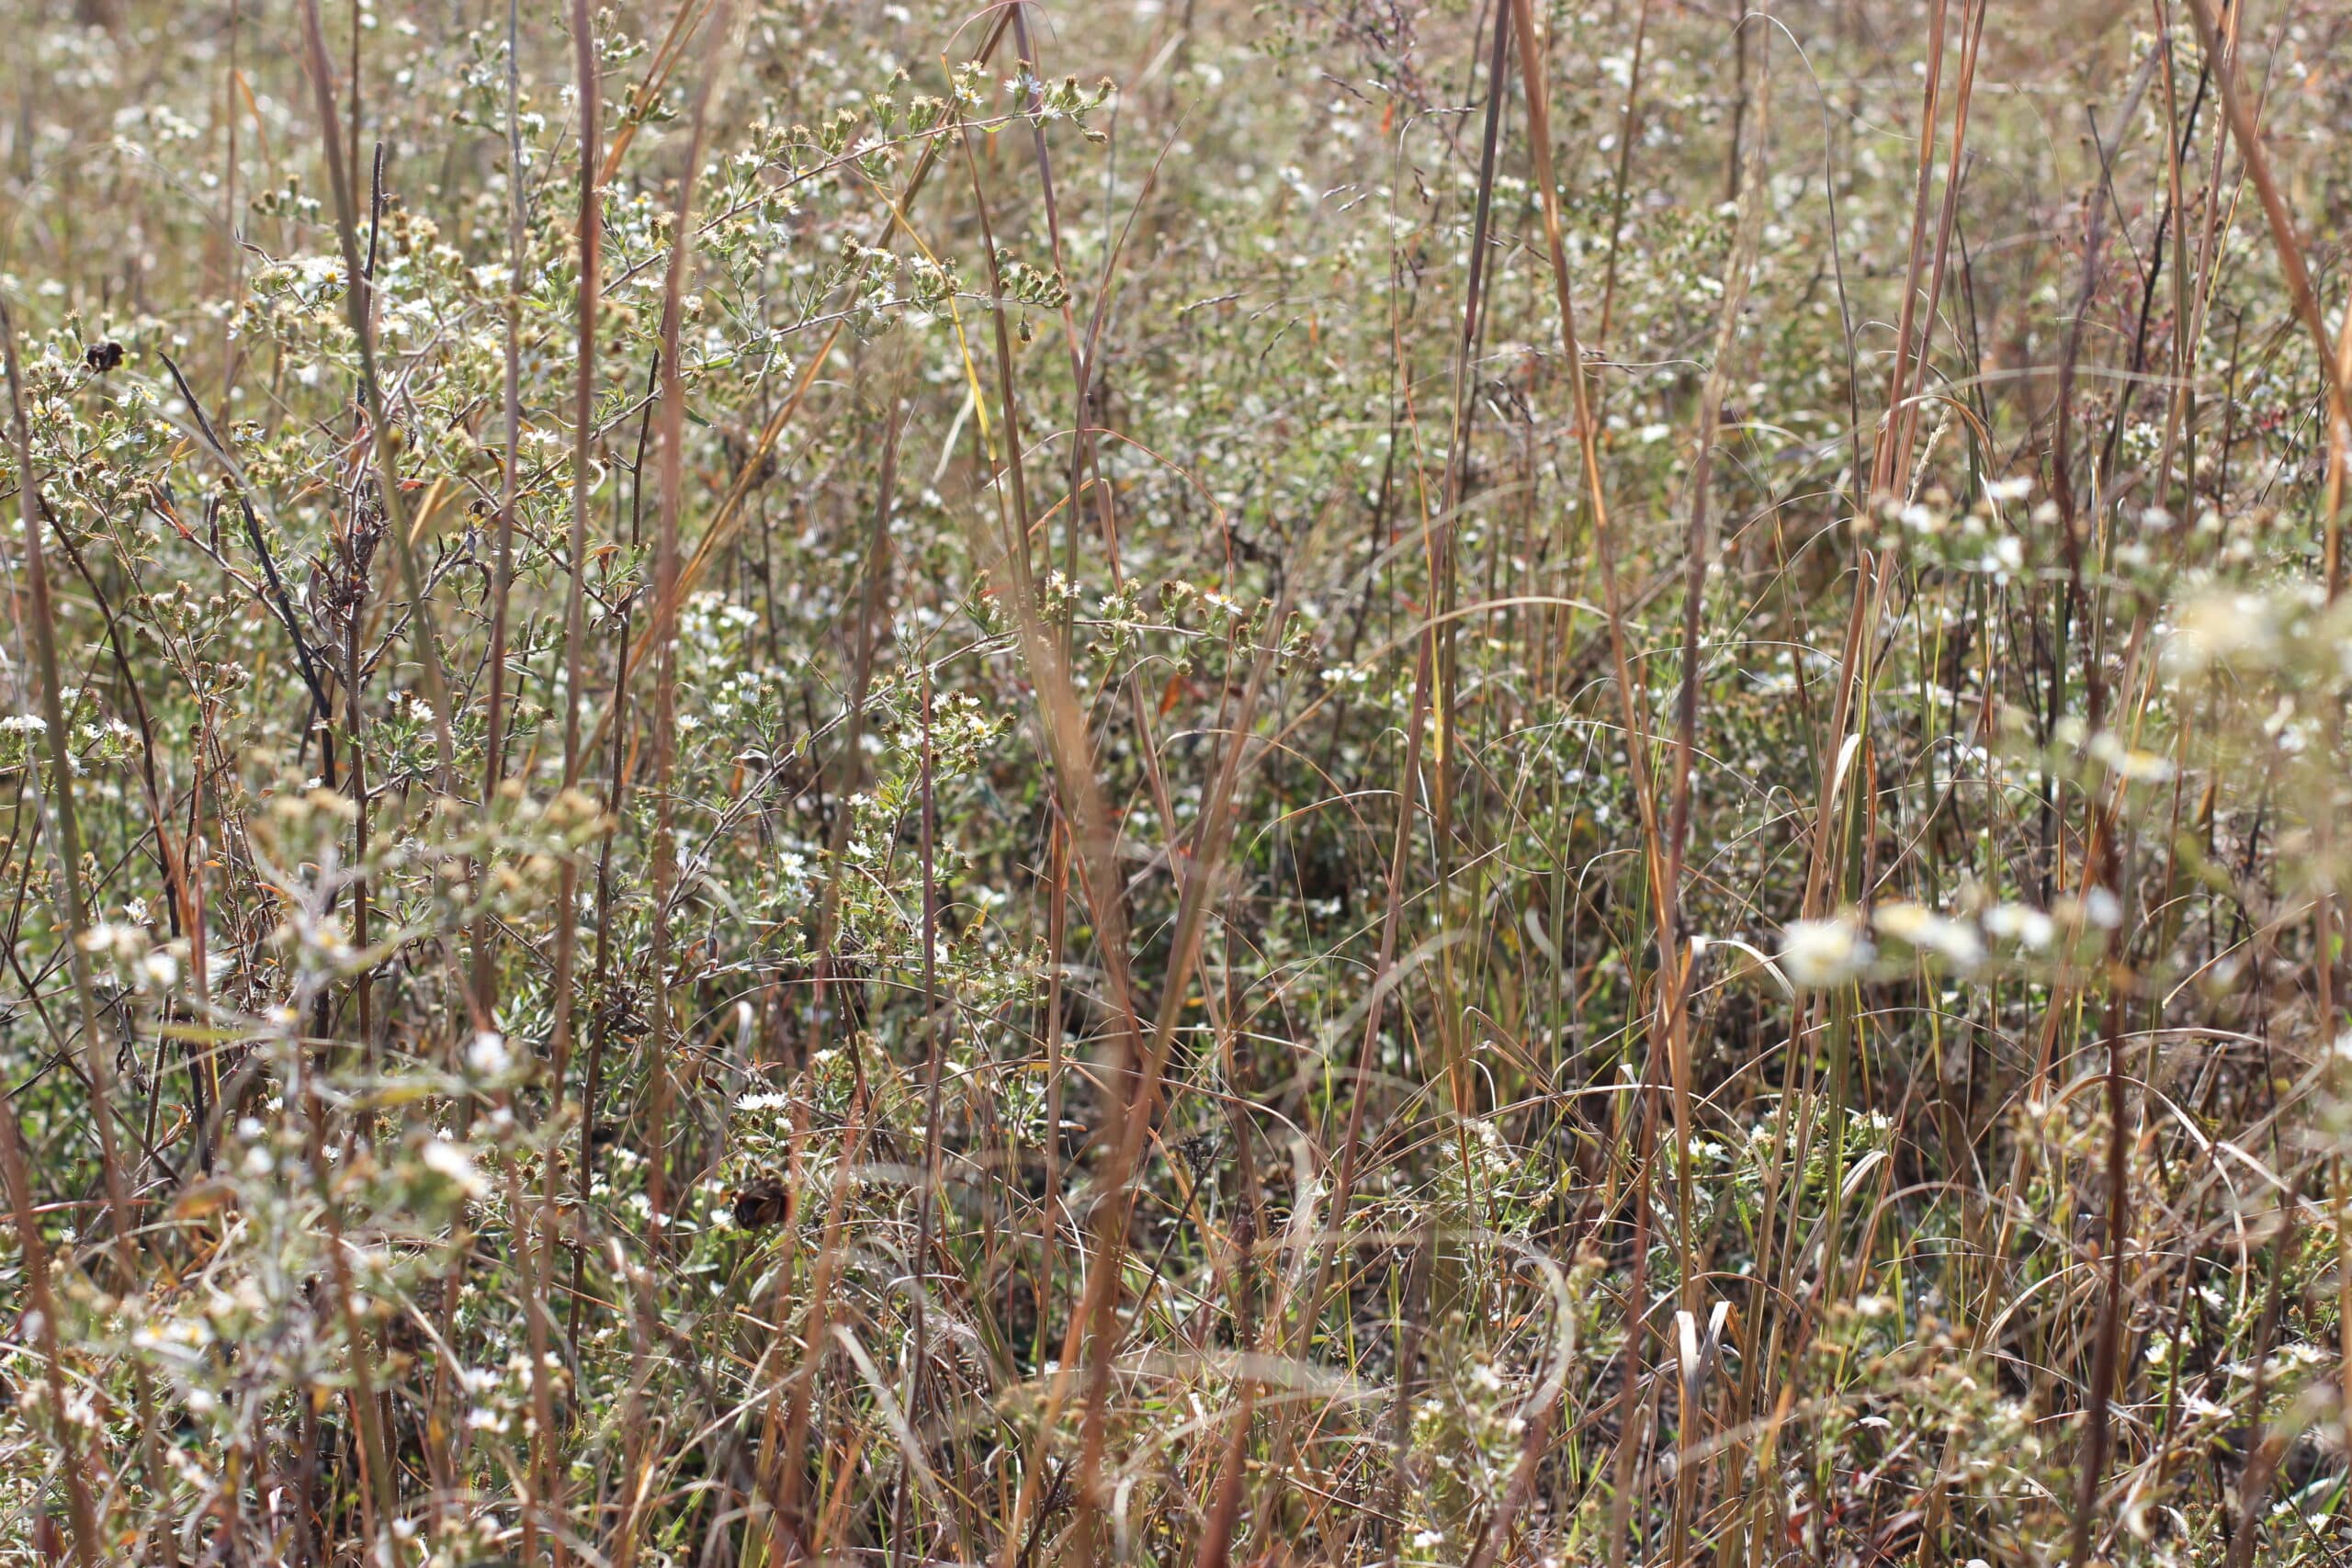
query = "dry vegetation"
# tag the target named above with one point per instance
(1154, 780)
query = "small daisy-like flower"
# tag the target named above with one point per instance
(488, 1055)
(2026, 927)
(1825, 953)
(1928, 931)
(449, 1161)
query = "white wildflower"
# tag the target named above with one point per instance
(1825, 953)
(488, 1055)
(1928, 931)
(452, 1162)
(2028, 928)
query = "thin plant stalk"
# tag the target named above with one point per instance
(665, 631)
(42, 624)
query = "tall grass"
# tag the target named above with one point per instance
(1330, 784)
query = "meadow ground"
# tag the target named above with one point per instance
(1345, 782)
